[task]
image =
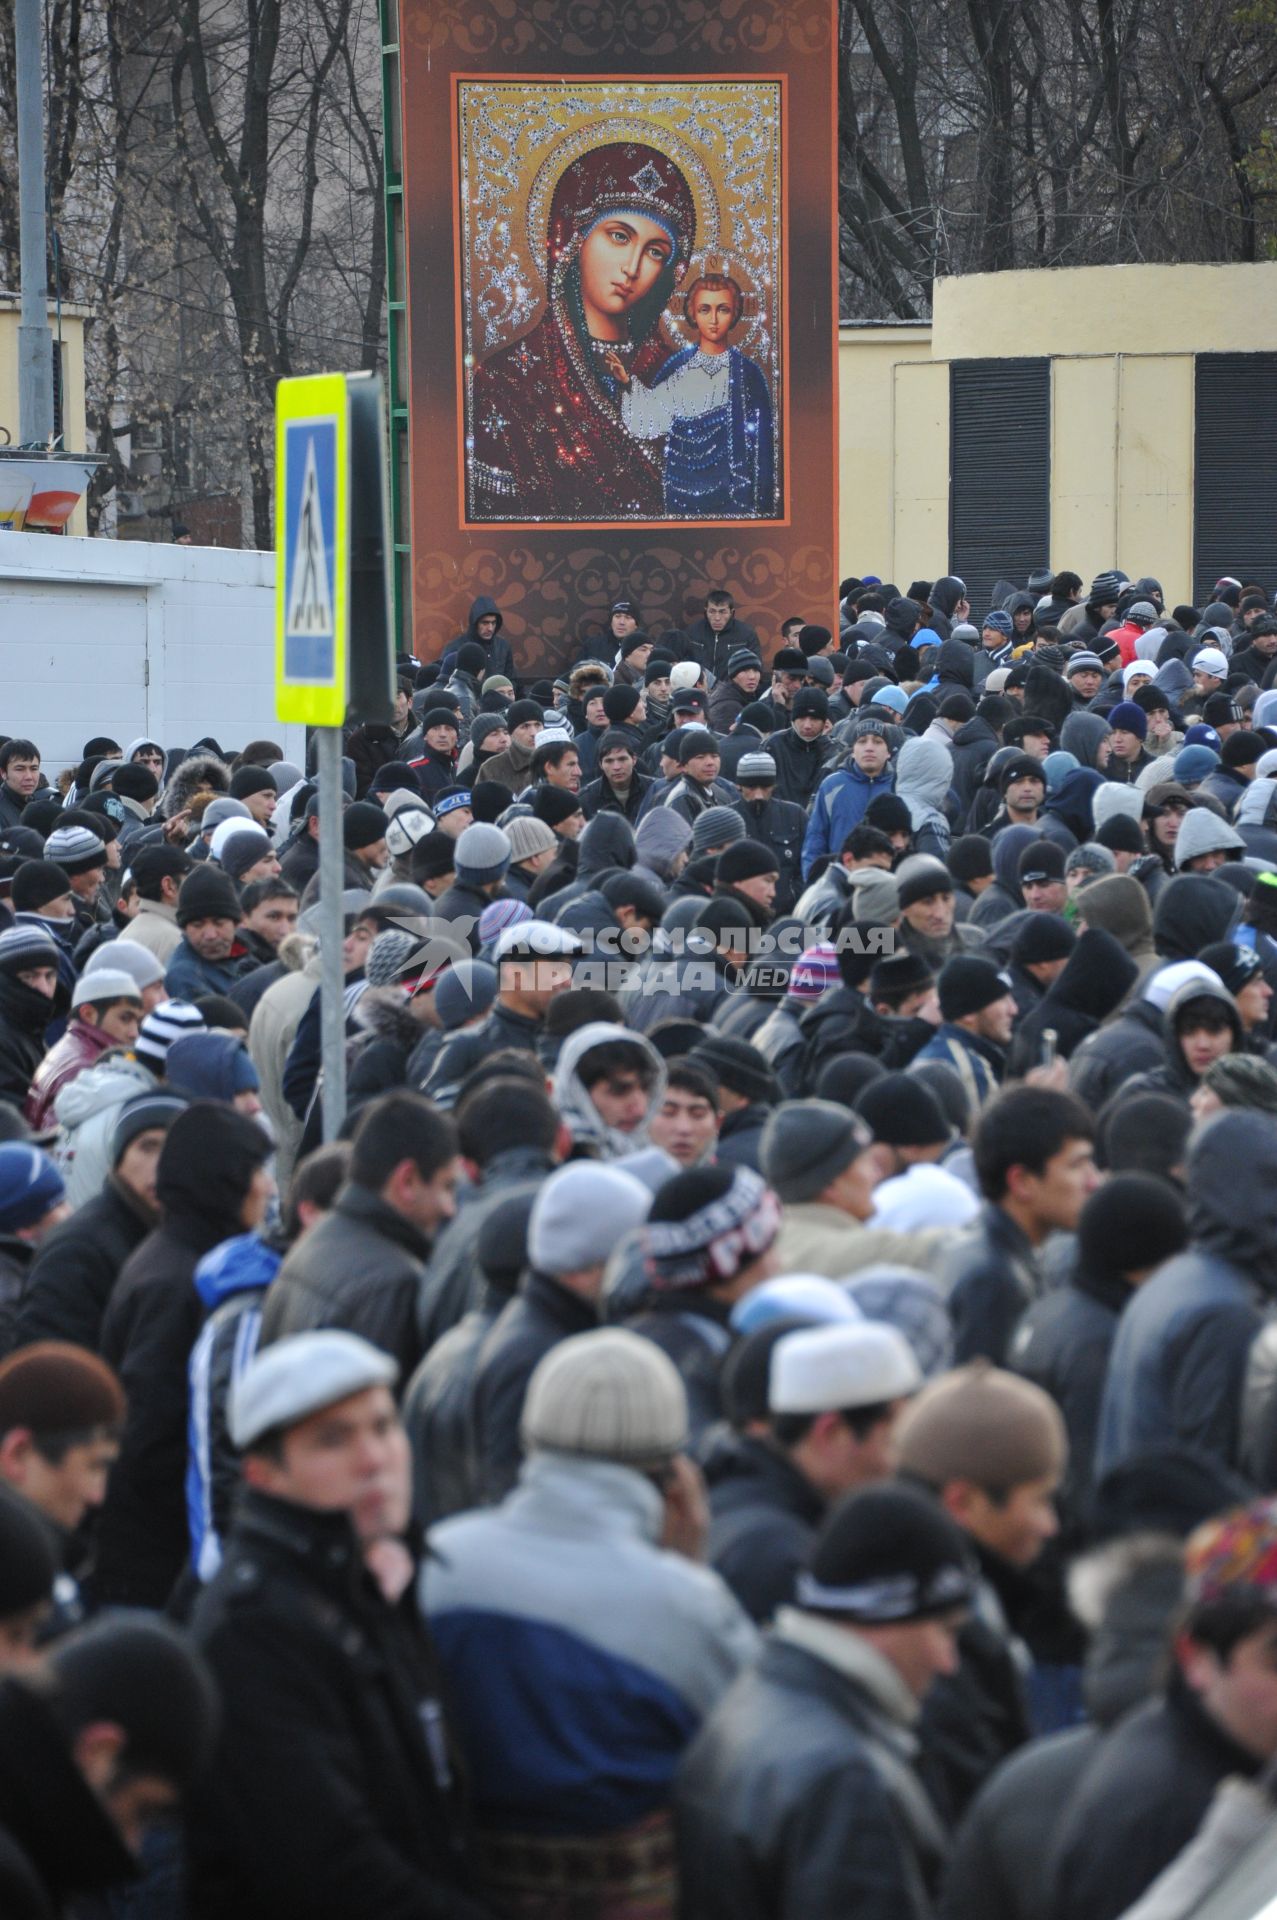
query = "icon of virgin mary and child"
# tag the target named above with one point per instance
(592, 415)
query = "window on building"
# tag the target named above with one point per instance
(999, 473)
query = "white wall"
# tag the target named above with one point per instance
(127, 638)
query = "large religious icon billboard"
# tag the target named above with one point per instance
(622, 317)
(622, 304)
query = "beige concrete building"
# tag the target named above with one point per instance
(69, 390)
(1083, 418)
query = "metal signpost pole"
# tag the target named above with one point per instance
(35, 352)
(332, 977)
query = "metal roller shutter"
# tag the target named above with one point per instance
(999, 473)
(1235, 470)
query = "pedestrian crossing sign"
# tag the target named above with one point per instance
(312, 549)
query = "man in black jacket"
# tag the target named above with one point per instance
(778, 823)
(718, 634)
(991, 1448)
(72, 1276)
(30, 998)
(362, 1266)
(510, 1137)
(94, 1751)
(799, 1798)
(801, 750)
(534, 963)
(1035, 1161)
(1153, 1778)
(212, 1182)
(331, 1792)
(833, 1396)
(579, 1215)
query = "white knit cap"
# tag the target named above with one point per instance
(105, 983)
(832, 1368)
(684, 673)
(1210, 660)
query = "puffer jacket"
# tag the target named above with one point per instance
(840, 804)
(87, 1109)
(541, 1613)
(1179, 1361)
(231, 1282)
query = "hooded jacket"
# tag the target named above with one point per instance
(1193, 910)
(1131, 1044)
(1097, 976)
(231, 1281)
(1179, 1361)
(572, 1099)
(188, 776)
(1081, 735)
(499, 652)
(1072, 802)
(150, 1326)
(1175, 1076)
(1119, 905)
(25, 1013)
(955, 666)
(974, 745)
(57, 1839)
(924, 770)
(87, 1110)
(1004, 897)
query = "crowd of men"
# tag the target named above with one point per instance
(767, 1410)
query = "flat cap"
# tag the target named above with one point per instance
(293, 1379)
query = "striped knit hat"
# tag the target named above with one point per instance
(499, 915)
(706, 1224)
(162, 1026)
(75, 849)
(815, 971)
(23, 947)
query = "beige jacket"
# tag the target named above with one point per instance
(816, 1238)
(155, 927)
(271, 1033)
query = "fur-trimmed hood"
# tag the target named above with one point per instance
(383, 1012)
(197, 770)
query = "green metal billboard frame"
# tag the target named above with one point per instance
(396, 325)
